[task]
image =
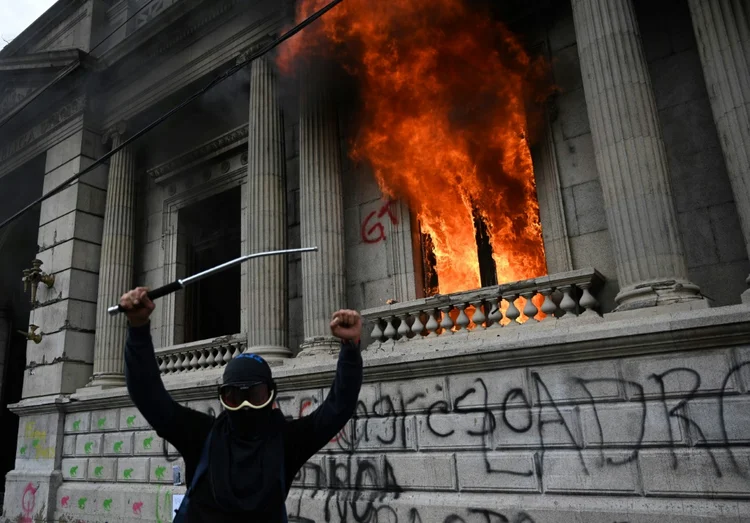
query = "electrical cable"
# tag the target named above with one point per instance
(233, 70)
(72, 65)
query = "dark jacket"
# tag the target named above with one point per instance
(186, 429)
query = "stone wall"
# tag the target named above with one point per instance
(442, 437)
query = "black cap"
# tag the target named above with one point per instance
(247, 369)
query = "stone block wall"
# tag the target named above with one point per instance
(652, 438)
(636, 431)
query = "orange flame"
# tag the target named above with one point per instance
(445, 90)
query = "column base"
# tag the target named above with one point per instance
(270, 352)
(320, 346)
(659, 293)
(106, 381)
(745, 297)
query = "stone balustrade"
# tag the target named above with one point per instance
(562, 296)
(200, 355)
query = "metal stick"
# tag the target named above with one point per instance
(181, 283)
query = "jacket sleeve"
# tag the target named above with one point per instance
(312, 432)
(167, 417)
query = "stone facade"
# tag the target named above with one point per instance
(627, 402)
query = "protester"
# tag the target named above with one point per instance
(239, 465)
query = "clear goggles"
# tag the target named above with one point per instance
(253, 395)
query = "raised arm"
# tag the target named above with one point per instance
(168, 418)
(312, 432)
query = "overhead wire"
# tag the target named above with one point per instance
(72, 65)
(228, 73)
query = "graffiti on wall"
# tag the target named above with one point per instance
(373, 229)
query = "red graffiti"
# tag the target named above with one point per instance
(375, 232)
(28, 503)
(305, 405)
(137, 506)
(64, 501)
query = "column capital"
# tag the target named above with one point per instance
(255, 47)
(115, 132)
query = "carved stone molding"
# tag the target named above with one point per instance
(220, 145)
(59, 117)
(255, 47)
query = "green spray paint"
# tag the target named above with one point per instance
(160, 472)
(107, 504)
(35, 443)
(131, 421)
(23, 450)
(101, 422)
(88, 446)
(147, 442)
(127, 473)
(74, 471)
(165, 514)
(77, 425)
(98, 471)
(118, 446)
(82, 503)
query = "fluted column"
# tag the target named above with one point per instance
(116, 265)
(321, 213)
(266, 217)
(630, 157)
(722, 29)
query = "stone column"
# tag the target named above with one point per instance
(722, 29)
(630, 157)
(266, 217)
(321, 213)
(115, 266)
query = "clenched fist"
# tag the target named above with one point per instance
(347, 325)
(138, 306)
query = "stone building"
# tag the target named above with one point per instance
(626, 402)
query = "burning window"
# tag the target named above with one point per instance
(210, 233)
(446, 92)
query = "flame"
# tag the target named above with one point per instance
(444, 90)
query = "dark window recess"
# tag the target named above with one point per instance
(487, 267)
(212, 236)
(429, 262)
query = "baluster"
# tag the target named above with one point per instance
(211, 361)
(548, 307)
(478, 317)
(227, 355)
(170, 365)
(496, 314)
(237, 350)
(162, 365)
(529, 309)
(432, 324)
(417, 327)
(377, 332)
(588, 301)
(447, 322)
(202, 359)
(567, 304)
(463, 320)
(403, 329)
(191, 361)
(390, 330)
(512, 313)
(178, 364)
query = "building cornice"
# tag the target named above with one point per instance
(60, 10)
(559, 342)
(218, 146)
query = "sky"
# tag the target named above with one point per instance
(17, 15)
